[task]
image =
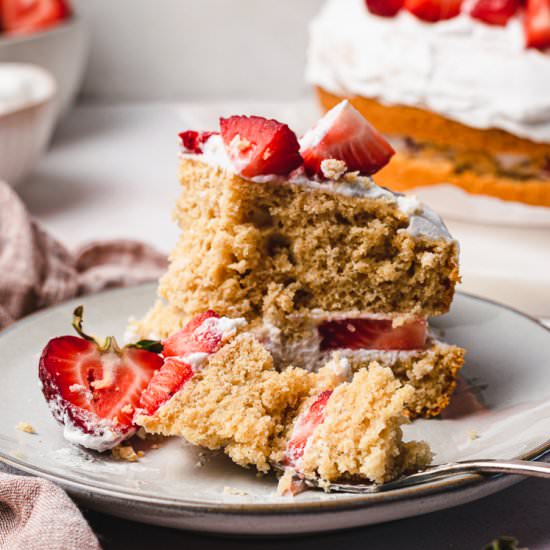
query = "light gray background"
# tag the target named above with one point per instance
(196, 49)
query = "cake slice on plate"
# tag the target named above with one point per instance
(295, 237)
(317, 424)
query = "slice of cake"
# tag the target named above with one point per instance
(460, 89)
(318, 425)
(295, 237)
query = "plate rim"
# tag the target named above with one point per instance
(133, 497)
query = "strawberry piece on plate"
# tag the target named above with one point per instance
(344, 134)
(165, 383)
(434, 10)
(93, 389)
(304, 428)
(28, 16)
(258, 146)
(537, 24)
(372, 334)
(198, 335)
(494, 12)
(384, 8)
(193, 141)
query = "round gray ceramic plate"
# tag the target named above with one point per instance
(504, 413)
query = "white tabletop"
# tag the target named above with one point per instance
(111, 172)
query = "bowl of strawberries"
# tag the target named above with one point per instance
(48, 34)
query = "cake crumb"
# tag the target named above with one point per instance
(125, 452)
(233, 491)
(333, 169)
(25, 427)
(102, 383)
(473, 435)
(127, 409)
(290, 485)
(141, 433)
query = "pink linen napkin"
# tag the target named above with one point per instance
(37, 271)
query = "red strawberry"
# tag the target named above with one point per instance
(193, 339)
(537, 24)
(494, 12)
(384, 8)
(193, 141)
(94, 389)
(372, 334)
(259, 146)
(344, 134)
(434, 10)
(304, 427)
(164, 384)
(28, 16)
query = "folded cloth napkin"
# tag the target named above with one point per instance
(37, 271)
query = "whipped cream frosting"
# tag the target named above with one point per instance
(477, 74)
(422, 220)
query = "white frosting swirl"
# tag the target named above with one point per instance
(471, 72)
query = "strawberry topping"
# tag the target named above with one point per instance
(304, 428)
(434, 10)
(384, 8)
(343, 134)
(28, 16)
(259, 146)
(372, 334)
(196, 336)
(164, 384)
(193, 141)
(95, 389)
(537, 24)
(494, 12)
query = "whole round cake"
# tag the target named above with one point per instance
(461, 89)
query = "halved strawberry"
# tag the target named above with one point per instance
(494, 12)
(190, 339)
(304, 427)
(193, 141)
(93, 389)
(434, 10)
(384, 8)
(372, 334)
(28, 16)
(165, 383)
(344, 134)
(537, 24)
(259, 146)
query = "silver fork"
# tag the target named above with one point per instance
(489, 466)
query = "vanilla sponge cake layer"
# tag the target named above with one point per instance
(240, 403)
(274, 249)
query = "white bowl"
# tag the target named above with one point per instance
(25, 128)
(61, 50)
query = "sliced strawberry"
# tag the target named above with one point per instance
(164, 384)
(494, 12)
(195, 337)
(193, 141)
(95, 390)
(344, 134)
(28, 16)
(372, 334)
(384, 8)
(537, 24)
(434, 10)
(259, 146)
(304, 427)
